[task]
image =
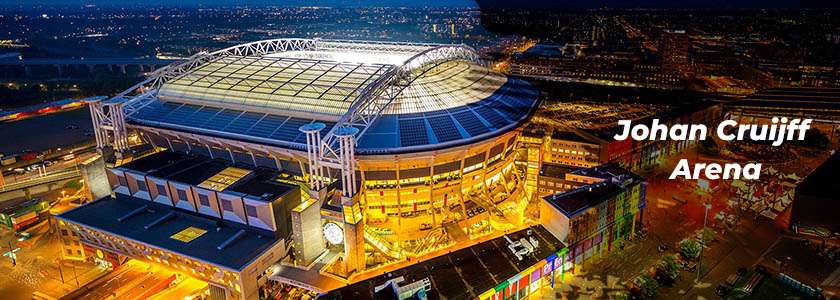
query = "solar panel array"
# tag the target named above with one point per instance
(225, 121)
(508, 105)
(444, 128)
(413, 132)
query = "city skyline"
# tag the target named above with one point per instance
(354, 151)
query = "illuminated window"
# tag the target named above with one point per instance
(225, 178)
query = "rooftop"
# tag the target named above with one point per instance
(200, 171)
(579, 199)
(573, 202)
(556, 170)
(262, 185)
(569, 136)
(213, 174)
(114, 215)
(225, 178)
(148, 164)
(606, 171)
(177, 166)
(463, 274)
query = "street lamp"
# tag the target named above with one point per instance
(706, 208)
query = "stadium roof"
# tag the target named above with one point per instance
(280, 85)
(414, 97)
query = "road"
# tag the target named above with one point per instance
(123, 276)
(47, 132)
(57, 166)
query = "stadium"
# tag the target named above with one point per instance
(401, 151)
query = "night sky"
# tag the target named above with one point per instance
(713, 4)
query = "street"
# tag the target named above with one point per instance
(39, 266)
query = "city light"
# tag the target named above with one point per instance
(419, 151)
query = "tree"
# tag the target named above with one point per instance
(814, 138)
(706, 235)
(668, 268)
(74, 184)
(690, 248)
(648, 287)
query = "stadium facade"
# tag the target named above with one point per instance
(307, 161)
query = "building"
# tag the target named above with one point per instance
(573, 149)
(613, 70)
(673, 51)
(317, 161)
(605, 209)
(815, 202)
(582, 134)
(553, 179)
(71, 244)
(820, 104)
(509, 267)
(223, 223)
(575, 226)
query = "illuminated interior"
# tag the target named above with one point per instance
(434, 206)
(224, 179)
(188, 234)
